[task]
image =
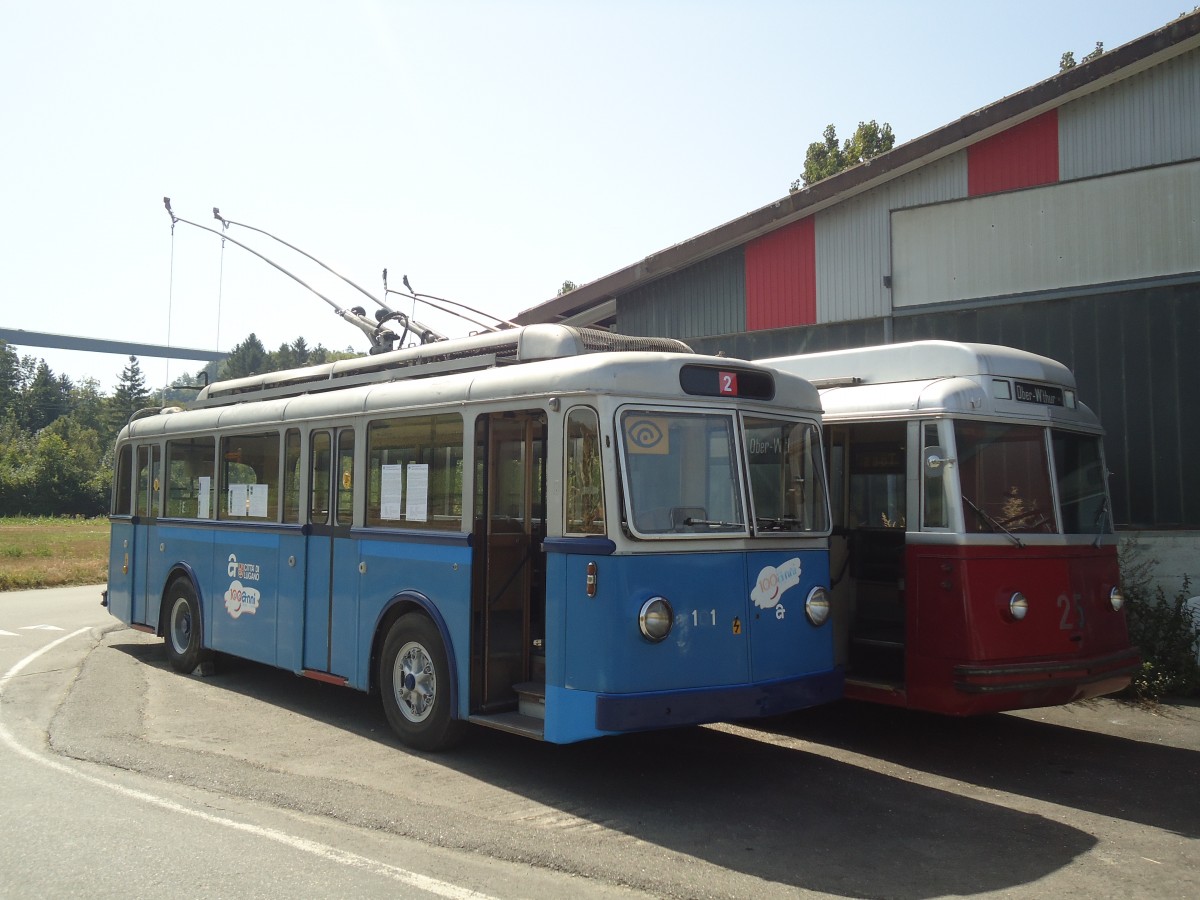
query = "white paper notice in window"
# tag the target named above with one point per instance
(391, 504)
(202, 494)
(237, 500)
(256, 500)
(417, 507)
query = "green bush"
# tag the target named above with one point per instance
(1165, 629)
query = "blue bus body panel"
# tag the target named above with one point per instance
(740, 644)
(435, 567)
(289, 600)
(140, 586)
(188, 546)
(121, 569)
(345, 649)
(319, 554)
(240, 598)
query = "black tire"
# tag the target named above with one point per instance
(181, 627)
(414, 682)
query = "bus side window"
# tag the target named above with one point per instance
(291, 476)
(250, 477)
(584, 475)
(877, 475)
(933, 511)
(149, 482)
(345, 478)
(122, 500)
(415, 472)
(319, 447)
(190, 477)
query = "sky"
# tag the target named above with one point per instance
(489, 151)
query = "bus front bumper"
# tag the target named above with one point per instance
(1084, 678)
(668, 709)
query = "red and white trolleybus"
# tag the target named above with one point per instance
(973, 560)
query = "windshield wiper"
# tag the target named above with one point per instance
(713, 523)
(992, 523)
(781, 523)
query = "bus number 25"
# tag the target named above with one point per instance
(1067, 607)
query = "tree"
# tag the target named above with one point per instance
(1067, 61)
(825, 157)
(43, 400)
(10, 377)
(300, 351)
(247, 358)
(567, 287)
(129, 396)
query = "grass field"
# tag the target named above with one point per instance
(38, 553)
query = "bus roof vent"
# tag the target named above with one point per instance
(558, 341)
(148, 411)
(840, 381)
(480, 351)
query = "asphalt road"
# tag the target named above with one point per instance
(1093, 800)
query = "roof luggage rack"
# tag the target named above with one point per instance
(482, 351)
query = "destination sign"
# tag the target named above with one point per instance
(1038, 393)
(715, 381)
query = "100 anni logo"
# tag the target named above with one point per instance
(240, 599)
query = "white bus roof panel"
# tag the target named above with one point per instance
(642, 375)
(895, 381)
(923, 360)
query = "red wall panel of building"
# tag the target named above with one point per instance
(1023, 156)
(781, 277)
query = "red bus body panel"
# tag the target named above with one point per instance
(966, 655)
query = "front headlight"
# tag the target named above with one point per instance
(1116, 598)
(655, 619)
(816, 607)
(1018, 606)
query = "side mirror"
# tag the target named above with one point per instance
(936, 460)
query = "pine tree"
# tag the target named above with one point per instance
(10, 378)
(44, 400)
(130, 395)
(247, 358)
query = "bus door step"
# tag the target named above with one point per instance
(513, 723)
(531, 698)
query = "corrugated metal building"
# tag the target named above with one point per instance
(1064, 220)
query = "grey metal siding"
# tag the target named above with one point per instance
(1121, 227)
(704, 299)
(1146, 120)
(853, 239)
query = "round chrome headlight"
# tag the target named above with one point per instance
(655, 619)
(1116, 598)
(816, 607)
(1018, 606)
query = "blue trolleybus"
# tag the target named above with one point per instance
(556, 532)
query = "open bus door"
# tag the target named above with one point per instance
(509, 590)
(869, 481)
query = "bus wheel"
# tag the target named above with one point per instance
(414, 679)
(182, 629)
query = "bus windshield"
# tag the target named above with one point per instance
(682, 473)
(787, 480)
(1005, 476)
